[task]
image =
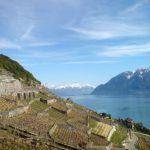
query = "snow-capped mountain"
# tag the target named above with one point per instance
(126, 82)
(71, 89)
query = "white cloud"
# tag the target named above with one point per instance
(93, 34)
(100, 30)
(136, 6)
(40, 43)
(48, 56)
(125, 50)
(31, 41)
(27, 34)
(7, 44)
(89, 62)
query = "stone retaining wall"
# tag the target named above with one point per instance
(14, 112)
(24, 95)
(18, 111)
(9, 87)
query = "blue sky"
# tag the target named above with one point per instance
(85, 41)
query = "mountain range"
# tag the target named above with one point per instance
(126, 83)
(72, 89)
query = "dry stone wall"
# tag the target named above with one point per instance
(18, 111)
(25, 95)
(8, 84)
(11, 86)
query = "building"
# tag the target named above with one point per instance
(48, 101)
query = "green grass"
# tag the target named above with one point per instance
(119, 135)
(93, 123)
(41, 95)
(55, 114)
(38, 106)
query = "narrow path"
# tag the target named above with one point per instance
(131, 141)
(111, 133)
(141, 134)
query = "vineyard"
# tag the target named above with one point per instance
(98, 140)
(59, 105)
(75, 129)
(56, 115)
(37, 106)
(34, 124)
(120, 135)
(143, 142)
(74, 113)
(100, 128)
(77, 123)
(12, 138)
(5, 105)
(68, 136)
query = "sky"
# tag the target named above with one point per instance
(83, 41)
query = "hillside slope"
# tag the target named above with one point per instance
(17, 71)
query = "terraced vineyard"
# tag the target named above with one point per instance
(143, 142)
(78, 123)
(68, 127)
(98, 140)
(37, 107)
(56, 115)
(101, 129)
(78, 115)
(31, 123)
(5, 105)
(16, 139)
(59, 106)
(68, 136)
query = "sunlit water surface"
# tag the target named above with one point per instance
(137, 108)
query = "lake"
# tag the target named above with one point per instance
(137, 108)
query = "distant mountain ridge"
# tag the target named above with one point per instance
(126, 82)
(72, 89)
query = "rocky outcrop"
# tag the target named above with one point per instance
(17, 71)
(8, 84)
(18, 111)
(15, 88)
(14, 112)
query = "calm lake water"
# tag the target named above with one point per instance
(137, 108)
